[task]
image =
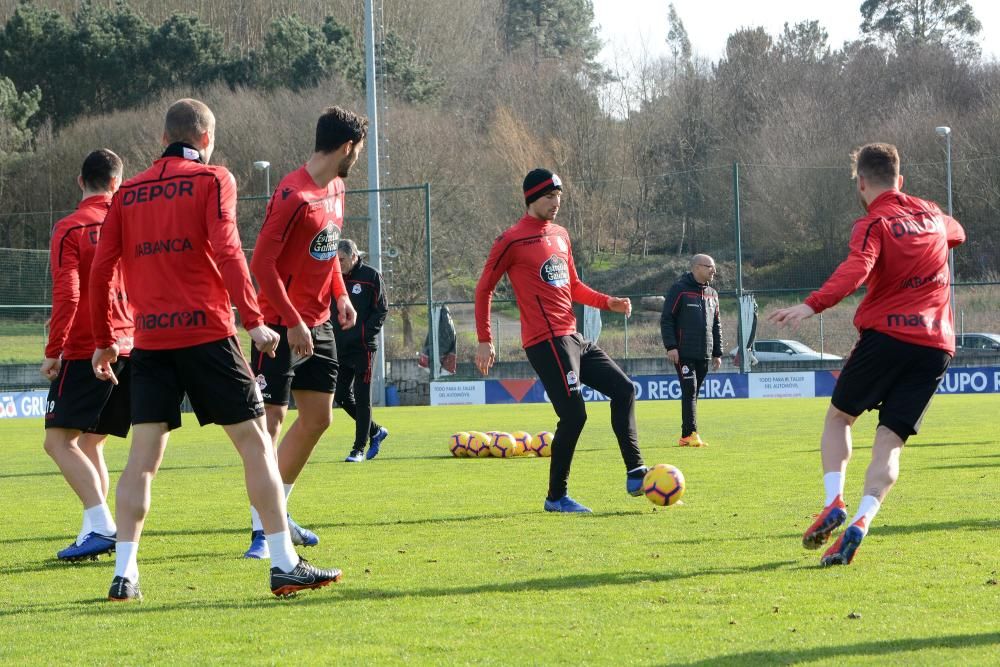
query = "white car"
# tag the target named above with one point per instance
(783, 350)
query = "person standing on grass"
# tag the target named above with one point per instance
(295, 263)
(356, 347)
(899, 250)
(692, 333)
(81, 410)
(537, 257)
(172, 229)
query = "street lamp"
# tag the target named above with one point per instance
(264, 166)
(945, 131)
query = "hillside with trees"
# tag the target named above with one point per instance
(476, 93)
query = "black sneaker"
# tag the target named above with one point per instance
(302, 577)
(123, 590)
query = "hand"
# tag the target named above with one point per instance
(346, 314)
(265, 339)
(716, 363)
(102, 362)
(485, 356)
(300, 340)
(673, 356)
(620, 305)
(50, 368)
(791, 317)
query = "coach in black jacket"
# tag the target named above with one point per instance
(356, 348)
(692, 334)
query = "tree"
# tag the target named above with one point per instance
(903, 23)
(677, 37)
(806, 41)
(16, 110)
(553, 29)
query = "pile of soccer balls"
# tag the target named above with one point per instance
(500, 444)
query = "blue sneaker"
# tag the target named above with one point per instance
(93, 545)
(301, 537)
(356, 456)
(633, 481)
(376, 442)
(258, 546)
(842, 551)
(564, 504)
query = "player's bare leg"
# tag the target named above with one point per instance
(92, 446)
(881, 476)
(299, 441)
(69, 449)
(835, 451)
(289, 573)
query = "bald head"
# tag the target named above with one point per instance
(192, 122)
(703, 268)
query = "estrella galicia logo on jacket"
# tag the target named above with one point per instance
(324, 244)
(184, 318)
(356, 289)
(555, 271)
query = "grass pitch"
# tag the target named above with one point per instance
(453, 561)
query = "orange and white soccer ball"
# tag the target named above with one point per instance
(542, 444)
(478, 445)
(458, 444)
(663, 484)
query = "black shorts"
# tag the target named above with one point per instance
(79, 401)
(279, 376)
(214, 375)
(896, 378)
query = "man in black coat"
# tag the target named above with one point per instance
(692, 334)
(356, 349)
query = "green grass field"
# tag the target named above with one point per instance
(452, 561)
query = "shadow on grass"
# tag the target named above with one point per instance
(959, 466)
(872, 648)
(338, 595)
(908, 528)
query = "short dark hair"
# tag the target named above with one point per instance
(878, 163)
(99, 168)
(336, 127)
(187, 120)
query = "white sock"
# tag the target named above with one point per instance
(288, 490)
(867, 510)
(84, 529)
(636, 470)
(255, 522)
(833, 482)
(283, 554)
(125, 561)
(101, 521)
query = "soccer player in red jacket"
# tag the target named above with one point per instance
(537, 257)
(173, 230)
(900, 251)
(81, 410)
(295, 263)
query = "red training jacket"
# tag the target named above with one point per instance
(537, 257)
(174, 228)
(295, 260)
(74, 242)
(900, 249)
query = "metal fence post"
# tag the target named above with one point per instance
(737, 230)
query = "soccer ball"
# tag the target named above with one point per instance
(543, 444)
(479, 444)
(458, 444)
(523, 443)
(502, 445)
(663, 484)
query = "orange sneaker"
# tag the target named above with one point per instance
(693, 440)
(832, 516)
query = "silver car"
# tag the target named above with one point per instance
(772, 350)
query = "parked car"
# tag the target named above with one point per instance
(776, 350)
(978, 341)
